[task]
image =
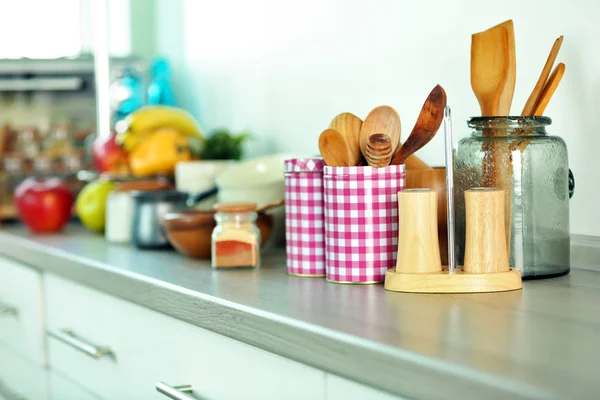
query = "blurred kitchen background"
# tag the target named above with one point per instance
(279, 69)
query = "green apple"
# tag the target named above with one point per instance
(91, 204)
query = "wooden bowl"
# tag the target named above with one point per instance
(190, 231)
(433, 178)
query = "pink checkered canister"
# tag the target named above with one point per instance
(304, 217)
(361, 222)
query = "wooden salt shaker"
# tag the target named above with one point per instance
(418, 245)
(485, 245)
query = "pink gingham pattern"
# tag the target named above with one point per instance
(361, 222)
(304, 217)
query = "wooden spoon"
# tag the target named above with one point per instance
(429, 121)
(493, 68)
(349, 125)
(382, 119)
(333, 148)
(537, 90)
(379, 150)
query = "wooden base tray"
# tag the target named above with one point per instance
(443, 282)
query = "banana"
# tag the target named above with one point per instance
(142, 122)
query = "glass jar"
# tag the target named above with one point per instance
(236, 238)
(517, 155)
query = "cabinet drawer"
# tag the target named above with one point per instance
(20, 378)
(63, 389)
(150, 347)
(343, 389)
(21, 316)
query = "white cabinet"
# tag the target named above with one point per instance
(150, 347)
(20, 378)
(343, 389)
(21, 316)
(63, 389)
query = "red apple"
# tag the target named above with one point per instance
(44, 205)
(108, 155)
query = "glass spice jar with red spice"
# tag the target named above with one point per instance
(236, 238)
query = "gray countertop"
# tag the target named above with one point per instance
(541, 342)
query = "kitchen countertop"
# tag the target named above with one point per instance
(541, 342)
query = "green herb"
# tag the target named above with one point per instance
(220, 145)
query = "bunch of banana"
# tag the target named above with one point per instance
(143, 122)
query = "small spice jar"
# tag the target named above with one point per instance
(236, 238)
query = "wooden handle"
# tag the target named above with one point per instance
(414, 162)
(485, 247)
(537, 90)
(549, 89)
(418, 246)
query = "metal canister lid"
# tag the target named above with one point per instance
(311, 164)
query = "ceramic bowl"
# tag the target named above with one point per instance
(258, 180)
(199, 176)
(190, 231)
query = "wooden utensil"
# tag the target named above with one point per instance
(543, 100)
(348, 125)
(429, 121)
(539, 86)
(549, 89)
(493, 76)
(382, 119)
(493, 68)
(379, 150)
(333, 148)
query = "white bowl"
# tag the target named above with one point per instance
(199, 176)
(259, 180)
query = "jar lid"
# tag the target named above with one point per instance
(311, 164)
(146, 185)
(234, 207)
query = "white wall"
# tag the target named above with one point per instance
(284, 68)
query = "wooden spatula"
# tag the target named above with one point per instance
(348, 125)
(493, 68)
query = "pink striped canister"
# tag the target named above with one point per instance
(304, 217)
(361, 222)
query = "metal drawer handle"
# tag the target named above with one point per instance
(176, 392)
(6, 309)
(8, 394)
(69, 337)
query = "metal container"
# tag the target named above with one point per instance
(149, 209)
(304, 217)
(361, 222)
(119, 207)
(517, 155)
